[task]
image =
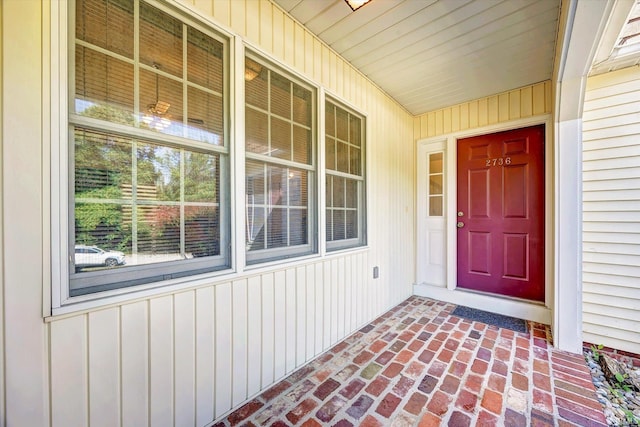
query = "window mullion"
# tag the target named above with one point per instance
(136, 61)
(185, 87)
(269, 112)
(290, 119)
(266, 203)
(134, 197)
(182, 207)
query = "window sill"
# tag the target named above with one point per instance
(92, 302)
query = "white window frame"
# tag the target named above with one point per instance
(256, 257)
(361, 210)
(62, 30)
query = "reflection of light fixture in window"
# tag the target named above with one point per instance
(356, 4)
(251, 70)
(156, 117)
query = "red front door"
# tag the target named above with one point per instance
(501, 213)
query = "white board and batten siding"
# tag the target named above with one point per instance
(611, 217)
(188, 357)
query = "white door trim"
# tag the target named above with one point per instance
(537, 312)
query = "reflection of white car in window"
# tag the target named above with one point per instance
(92, 256)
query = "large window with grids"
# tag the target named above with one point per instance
(345, 185)
(280, 163)
(148, 149)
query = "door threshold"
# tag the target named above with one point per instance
(522, 309)
(502, 297)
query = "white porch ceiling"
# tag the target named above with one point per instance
(429, 54)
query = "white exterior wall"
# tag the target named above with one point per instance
(188, 357)
(611, 203)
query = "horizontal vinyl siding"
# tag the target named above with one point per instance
(611, 210)
(516, 104)
(188, 358)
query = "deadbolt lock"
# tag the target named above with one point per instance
(460, 213)
(460, 224)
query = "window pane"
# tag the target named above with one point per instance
(297, 227)
(297, 183)
(351, 226)
(280, 139)
(256, 218)
(256, 132)
(329, 191)
(104, 87)
(342, 124)
(355, 162)
(277, 211)
(338, 224)
(201, 177)
(102, 166)
(160, 40)
(435, 163)
(255, 183)
(204, 60)
(107, 24)
(161, 103)
(329, 225)
(157, 173)
(102, 225)
(301, 105)
(280, 96)
(276, 228)
(329, 120)
(158, 234)
(301, 145)
(435, 184)
(355, 130)
(277, 186)
(343, 157)
(351, 194)
(256, 93)
(330, 150)
(338, 192)
(202, 231)
(435, 206)
(256, 214)
(205, 117)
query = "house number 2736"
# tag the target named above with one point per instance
(498, 161)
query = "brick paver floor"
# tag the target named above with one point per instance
(417, 365)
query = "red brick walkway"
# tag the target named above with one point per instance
(419, 366)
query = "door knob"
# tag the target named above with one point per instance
(460, 224)
(460, 213)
